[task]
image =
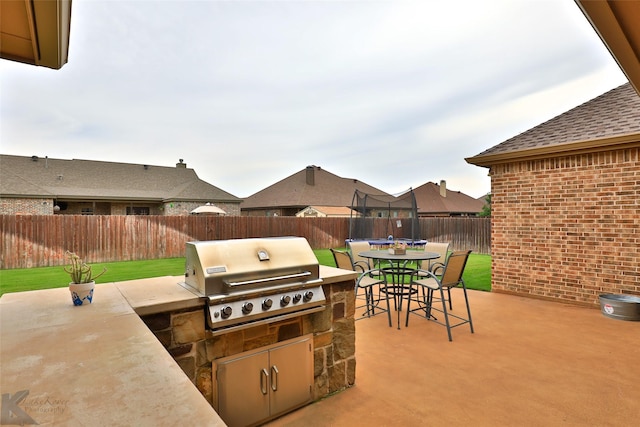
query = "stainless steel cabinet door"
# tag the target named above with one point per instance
(244, 390)
(291, 372)
(264, 383)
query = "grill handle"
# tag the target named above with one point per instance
(271, 279)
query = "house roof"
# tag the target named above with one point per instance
(605, 122)
(430, 201)
(75, 179)
(312, 186)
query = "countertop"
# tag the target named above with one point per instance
(91, 365)
(99, 364)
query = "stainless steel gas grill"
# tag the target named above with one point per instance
(252, 281)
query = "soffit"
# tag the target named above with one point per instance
(35, 31)
(617, 22)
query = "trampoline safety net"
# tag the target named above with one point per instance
(378, 216)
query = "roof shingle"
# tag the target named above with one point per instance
(295, 191)
(33, 176)
(615, 113)
(430, 201)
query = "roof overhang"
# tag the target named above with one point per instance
(35, 31)
(566, 149)
(616, 22)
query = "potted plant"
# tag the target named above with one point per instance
(82, 279)
(398, 248)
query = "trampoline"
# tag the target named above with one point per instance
(386, 217)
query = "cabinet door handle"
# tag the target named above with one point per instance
(264, 377)
(274, 378)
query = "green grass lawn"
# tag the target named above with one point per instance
(29, 279)
(477, 274)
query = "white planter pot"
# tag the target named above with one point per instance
(82, 293)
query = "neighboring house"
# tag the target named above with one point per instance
(44, 186)
(566, 203)
(327, 212)
(311, 186)
(436, 200)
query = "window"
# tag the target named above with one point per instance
(137, 210)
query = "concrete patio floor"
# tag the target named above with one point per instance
(529, 363)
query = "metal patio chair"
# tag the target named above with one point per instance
(429, 283)
(355, 247)
(372, 282)
(436, 266)
(441, 249)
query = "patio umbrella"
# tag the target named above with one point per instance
(208, 209)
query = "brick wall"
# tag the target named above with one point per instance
(16, 206)
(567, 228)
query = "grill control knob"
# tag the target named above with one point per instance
(285, 300)
(266, 304)
(307, 296)
(247, 307)
(226, 311)
(297, 298)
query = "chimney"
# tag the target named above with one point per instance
(311, 178)
(182, 164)
(443, 188)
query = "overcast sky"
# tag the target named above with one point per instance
(392, 93)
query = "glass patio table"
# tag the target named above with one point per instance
(398, 269)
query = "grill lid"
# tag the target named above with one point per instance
(245, 266)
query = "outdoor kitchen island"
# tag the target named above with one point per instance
(102, 364)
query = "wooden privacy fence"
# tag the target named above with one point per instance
(41, 240)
